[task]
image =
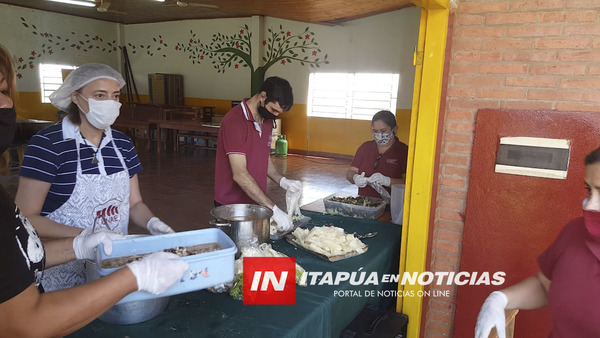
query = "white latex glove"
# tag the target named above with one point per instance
(156, 272)
(492, 314)
(290, 185)
(84, 245)
(360, 180)
(158, 227)
(284, 222)
(378, 178)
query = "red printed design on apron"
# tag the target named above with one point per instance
(97, 200)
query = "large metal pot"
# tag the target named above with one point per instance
(245, 224)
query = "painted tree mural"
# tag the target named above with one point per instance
(235, 50)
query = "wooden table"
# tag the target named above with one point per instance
(186, 128)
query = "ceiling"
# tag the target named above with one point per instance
(329, 12)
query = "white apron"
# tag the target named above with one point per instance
(101, 199)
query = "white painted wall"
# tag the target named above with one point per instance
(23, 43)
(377, 44)
(381, 43)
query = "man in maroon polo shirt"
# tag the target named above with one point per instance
(243, 147)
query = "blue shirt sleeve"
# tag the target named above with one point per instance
(40, 160)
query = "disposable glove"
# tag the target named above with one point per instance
(492, 314)
(284, 222)
(292, 201)
(84, 245)
(290, 185)
(360, 180)
(156, 272)
(378, 178)
(158, 227)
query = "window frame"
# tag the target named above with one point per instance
(354, 96)
(50, 82)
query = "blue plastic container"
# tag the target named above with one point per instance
(206, 269)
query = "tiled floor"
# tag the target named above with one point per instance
(179, 187)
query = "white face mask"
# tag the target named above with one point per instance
(102, 114)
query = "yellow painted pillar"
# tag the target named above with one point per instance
(429, 63)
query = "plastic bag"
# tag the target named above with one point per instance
(292, 201)
(263, 250)
(382, 191)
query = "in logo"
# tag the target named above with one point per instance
(270, 280)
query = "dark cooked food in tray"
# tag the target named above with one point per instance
(358, 200)
(181, 251)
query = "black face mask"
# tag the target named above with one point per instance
(8, 120)
(265, 113)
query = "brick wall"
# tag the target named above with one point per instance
(516, 54)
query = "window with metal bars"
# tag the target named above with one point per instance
(51, 77)
(356, 96)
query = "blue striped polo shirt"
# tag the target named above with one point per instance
(52, 157)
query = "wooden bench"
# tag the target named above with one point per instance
(186, 128)
(139, 116)
(194, 136)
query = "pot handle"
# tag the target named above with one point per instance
(219, 223)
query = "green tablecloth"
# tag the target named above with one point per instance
(317, 313)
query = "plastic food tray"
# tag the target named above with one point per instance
(206, 269)
(351, 210)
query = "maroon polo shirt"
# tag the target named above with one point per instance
(574, 294)
(392, 163)
(240, 134)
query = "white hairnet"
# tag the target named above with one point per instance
(84, 74)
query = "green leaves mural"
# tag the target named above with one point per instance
(224, 51)
(235, 50)
(53, 43)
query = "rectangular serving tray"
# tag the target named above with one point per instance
(206, 269)
(293, 241)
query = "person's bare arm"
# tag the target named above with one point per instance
(58, 251)
(350, 174)
(242, 177)
(139, 213)
(273, 173)
(30, 198)
(530, 293)
(61, 312)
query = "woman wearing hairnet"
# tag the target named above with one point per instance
(80, 173)
(26, 310)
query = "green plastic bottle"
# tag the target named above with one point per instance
(281, 146)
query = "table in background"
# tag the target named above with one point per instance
(317, 313)
(186, 128)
